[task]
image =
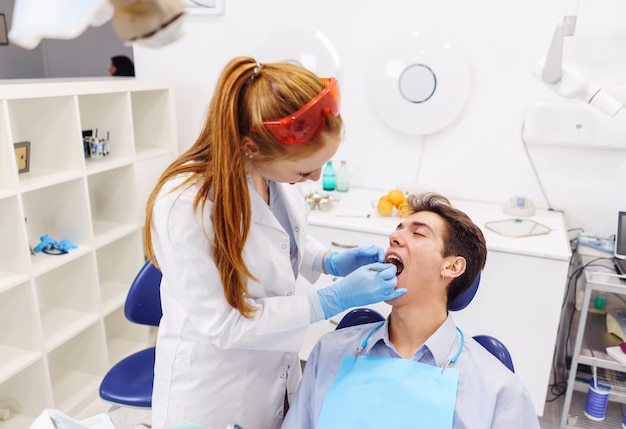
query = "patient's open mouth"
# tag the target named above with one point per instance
(393, 259)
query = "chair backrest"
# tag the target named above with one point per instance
(143, 303)
(496, 348)
(360, 316)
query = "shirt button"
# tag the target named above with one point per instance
(297, 228)
(284, 246)
(283, 375)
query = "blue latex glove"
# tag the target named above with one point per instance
(46, 242)
(342, 264)
(362, 287)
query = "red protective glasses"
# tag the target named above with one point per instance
(309, 121)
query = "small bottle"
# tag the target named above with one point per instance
(328, 177)
(343, 177)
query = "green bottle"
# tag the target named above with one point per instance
(329, 177)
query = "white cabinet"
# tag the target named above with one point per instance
(62, 315)
(522, 286)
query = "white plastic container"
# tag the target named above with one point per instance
(343, 177)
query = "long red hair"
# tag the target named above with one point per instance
(245, 95)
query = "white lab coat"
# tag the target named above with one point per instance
(213, 366)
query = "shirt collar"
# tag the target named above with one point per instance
(442, 344)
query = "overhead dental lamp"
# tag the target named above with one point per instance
(150, 23)
(568, 80)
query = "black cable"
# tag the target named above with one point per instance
(559, 387)
(532, 164)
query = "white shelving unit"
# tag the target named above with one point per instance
(589, 349)
(63, 318)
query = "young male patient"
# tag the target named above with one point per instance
(416, 369)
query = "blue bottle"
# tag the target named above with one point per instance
(329, 177)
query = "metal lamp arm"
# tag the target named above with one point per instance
(553, 65)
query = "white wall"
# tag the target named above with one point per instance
(480, 156)
(16, 62)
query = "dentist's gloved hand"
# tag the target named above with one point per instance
(342, 264)
(362, 287)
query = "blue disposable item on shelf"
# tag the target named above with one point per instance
(50, 246)
(601, 244)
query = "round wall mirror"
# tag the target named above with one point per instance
(420, 84)
(417, 83)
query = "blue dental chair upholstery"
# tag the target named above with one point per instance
(129, 382)
(497, 349)
(360, 316)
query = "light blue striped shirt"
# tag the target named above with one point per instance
(488, 394)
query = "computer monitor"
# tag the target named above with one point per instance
(620, 237)
(620, 245)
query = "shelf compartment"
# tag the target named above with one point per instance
(51, 125)
(108, 115)
(153, 116)
(20, 346)
(118, 264)
(613, 419)
(596, 340)
(62, 212)
(76, 369)
(113, 203)
(68, 300)
(149, 170)
(124, 337)
(8, 181)
(9, 280)
(32, 391)
(14, 258)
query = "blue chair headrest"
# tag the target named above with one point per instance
(466, 297)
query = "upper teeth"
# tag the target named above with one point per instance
(393, 257)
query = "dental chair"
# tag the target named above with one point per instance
(360, 316)
(129, 382)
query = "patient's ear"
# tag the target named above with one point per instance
(454, 266)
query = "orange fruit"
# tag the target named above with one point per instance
(396, 196)
(404, 210)
(384, 207)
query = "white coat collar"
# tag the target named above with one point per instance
(294, 204)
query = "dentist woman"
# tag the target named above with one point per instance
(228, 229)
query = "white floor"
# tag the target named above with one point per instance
(133, 418)
(551, 418)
